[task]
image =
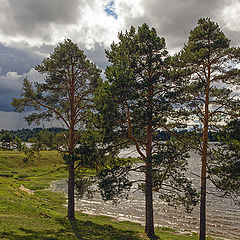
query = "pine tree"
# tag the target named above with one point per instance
(66, 96)
(140, 89)
(209, 65)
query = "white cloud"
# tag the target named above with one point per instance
(34, 76)
(96, 26)
(10, 82)
(90, 24)
(11, 85)
(231, 15)
(127, 9)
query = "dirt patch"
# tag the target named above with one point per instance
(28, 191)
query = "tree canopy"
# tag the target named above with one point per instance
(141, 91)
(209, 73)
(65, 96)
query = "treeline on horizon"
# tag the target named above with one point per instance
(26, 134)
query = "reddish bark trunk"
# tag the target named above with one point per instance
(71, 203)
(71, 176)
(202, 234)
(149, 227)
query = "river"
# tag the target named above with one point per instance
(223, 216)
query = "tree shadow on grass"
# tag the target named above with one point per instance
(88, 230)
(84, 230)
(28, 234)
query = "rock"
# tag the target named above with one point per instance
(28, 191)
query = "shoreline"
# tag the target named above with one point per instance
(124, 217)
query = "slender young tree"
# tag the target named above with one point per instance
(7, 139)
(209, 64)
(140, 89)
(66, 96)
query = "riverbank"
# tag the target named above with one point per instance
(29, 211)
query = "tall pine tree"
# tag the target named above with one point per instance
(66, 96)
(140, 89)
(209, 65)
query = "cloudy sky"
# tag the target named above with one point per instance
(30, 29)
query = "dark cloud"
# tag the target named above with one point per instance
(174, 18)
(32, 18)
(18, 60)
(233, 35)
(12, 120)
(97, 55)
(11, 85)
(6, 99)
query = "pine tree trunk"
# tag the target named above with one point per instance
(71, 204)
(149, 226)
(202, 235)
(71, 180)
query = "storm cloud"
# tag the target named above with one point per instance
(11, 85)
(174, 19)
(31, 29)
(47, 22)
(18, 59)
(33, 18)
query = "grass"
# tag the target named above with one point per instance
(42, 215)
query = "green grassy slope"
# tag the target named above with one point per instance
(42, 215)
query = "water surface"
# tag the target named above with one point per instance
(223, 217)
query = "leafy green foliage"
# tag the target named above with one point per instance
(66, 95)
(208, 66)
(208, 97)
(141, 89)
(48, 140)
(31, 154)
(51, 99)
(170, 165)
(92, 155)
(224, 164)
(211, 61)
(139, 68)
(114, 179)
(10, 141)
(224, 169)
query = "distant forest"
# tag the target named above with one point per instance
(164, 136)
(25, 134)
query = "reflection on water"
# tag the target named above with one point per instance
(223, 217)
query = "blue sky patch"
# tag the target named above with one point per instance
(110, 9)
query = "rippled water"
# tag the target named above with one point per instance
(223, 217)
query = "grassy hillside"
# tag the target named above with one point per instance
(41, 215)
